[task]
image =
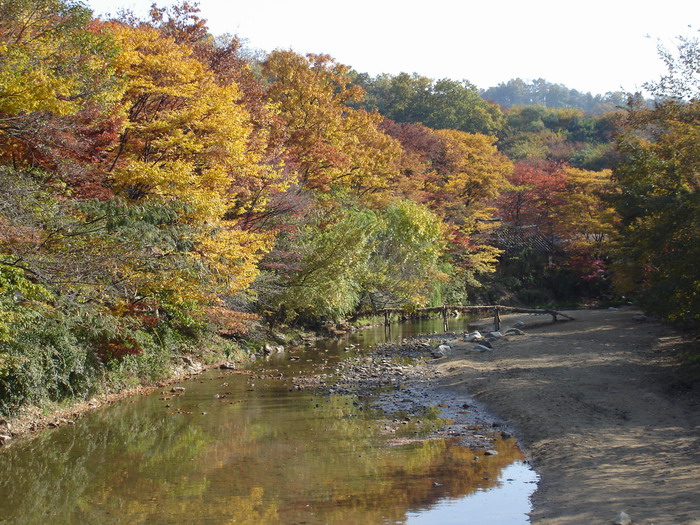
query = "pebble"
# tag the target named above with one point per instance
(622, 519)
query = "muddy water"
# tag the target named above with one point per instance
(249, 449)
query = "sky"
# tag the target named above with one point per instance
(594, 45)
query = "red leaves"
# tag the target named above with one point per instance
(537, 191)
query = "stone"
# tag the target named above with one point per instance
(4, 438)
(622, 519)
(519, 324)
(177, 389)
(473, 336)
(227, 366)
(481, 348)
(440, 351)
(513, 331)
(187, 360)
(491, 452)
(496, 334)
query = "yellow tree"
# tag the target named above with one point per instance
(585, 220)
(329, 143)
(186, 141)
(470, 172)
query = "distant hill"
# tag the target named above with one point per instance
(517, 92)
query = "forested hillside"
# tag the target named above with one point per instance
(160, 193)
(517, 92)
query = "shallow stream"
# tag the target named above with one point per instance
(251, 449)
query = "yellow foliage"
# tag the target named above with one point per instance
(585, 220)
(188, 140)
(330, 143)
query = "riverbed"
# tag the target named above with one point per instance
(252, 446)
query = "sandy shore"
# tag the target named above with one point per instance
(600, 409)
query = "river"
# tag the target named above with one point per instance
(250, 449)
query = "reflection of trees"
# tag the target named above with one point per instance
(276, 457)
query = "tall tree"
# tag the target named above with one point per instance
(329, 144)
(659, 200)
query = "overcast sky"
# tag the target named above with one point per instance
(592, 45)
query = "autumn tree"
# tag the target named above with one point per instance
(58, 90)
(186, 142)
(329, 144)
(659, 199)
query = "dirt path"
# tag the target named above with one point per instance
(598, 405)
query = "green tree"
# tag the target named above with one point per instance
(441, 104)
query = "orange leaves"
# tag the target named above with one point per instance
(229, 322)
(329, 143)
(471, 169)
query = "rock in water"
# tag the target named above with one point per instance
(622, 519)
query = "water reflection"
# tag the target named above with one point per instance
(239, 449)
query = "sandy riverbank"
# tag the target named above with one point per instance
(600, 408)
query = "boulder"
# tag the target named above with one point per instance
(513, 331)
(440, 351)
(519, 324)
(473, 336)
(269, 349)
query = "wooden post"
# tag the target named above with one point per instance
(444, 318)
(386, 318)
(496, 320)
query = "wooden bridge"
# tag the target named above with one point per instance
(482, 311)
